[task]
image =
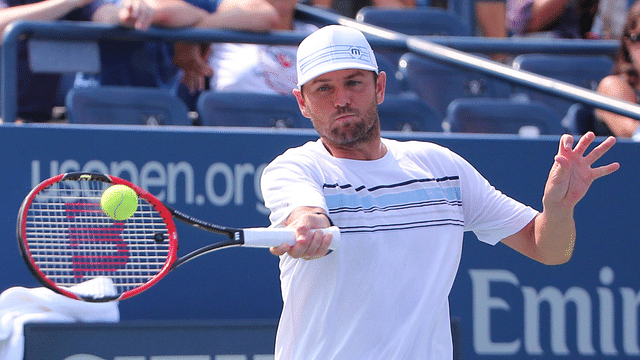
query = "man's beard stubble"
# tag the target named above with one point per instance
(360, 132)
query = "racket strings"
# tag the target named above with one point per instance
(71, 240)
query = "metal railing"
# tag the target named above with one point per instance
(450, 50)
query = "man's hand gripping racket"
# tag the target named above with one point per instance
(74, 248)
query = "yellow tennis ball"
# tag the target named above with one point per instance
(119, 202)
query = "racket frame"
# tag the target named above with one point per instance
(79, 176)
(251, 237)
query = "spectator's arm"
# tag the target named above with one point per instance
(143, 13)
(177, 13)
(45, 10)
(620, 125)
(253, 15)
(395, 3)
(545, 12)
(491, 17)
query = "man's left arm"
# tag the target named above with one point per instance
(550, 237)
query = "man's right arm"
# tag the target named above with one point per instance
(309, 245)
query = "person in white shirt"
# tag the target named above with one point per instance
(402, 207)
(259, 68)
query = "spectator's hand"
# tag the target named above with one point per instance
(192, 59)
(137, 14)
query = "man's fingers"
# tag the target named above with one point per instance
(584, 143)
(308, 246)
(280, 250)
(566, 143)
(605, 170)
(560, 169)
(601, 149)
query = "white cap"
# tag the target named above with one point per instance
(331, 48)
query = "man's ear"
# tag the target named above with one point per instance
(301, 102)
(381, 86)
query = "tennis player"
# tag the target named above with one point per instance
(402, 207)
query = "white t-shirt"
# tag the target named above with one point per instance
(254, 67)
(384, 293)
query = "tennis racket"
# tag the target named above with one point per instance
(75, 249)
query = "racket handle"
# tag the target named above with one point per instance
(268, 237)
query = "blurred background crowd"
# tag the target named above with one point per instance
(187, 70)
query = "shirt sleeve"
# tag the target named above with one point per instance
(518, 15)
(489, 213)
(288, 183)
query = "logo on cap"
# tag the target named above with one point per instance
(355, 52)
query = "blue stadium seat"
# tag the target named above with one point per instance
(439, 84)
(408, 113)
(125, 105)
(250, 109)
(416, 21)
(502, 116)
(581, 70)
(581, 118)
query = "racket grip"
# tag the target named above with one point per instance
(268, 237)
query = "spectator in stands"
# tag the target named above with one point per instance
(610, 19)
(192, 58)
(569, 19)
(151, 64)
(37, 92)
(259, 68)
(624, 82)
(350, 8)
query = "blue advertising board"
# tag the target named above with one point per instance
(507, 304)
(153, 340)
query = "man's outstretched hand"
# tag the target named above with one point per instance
(572, 174)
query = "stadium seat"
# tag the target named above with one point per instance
(438, 84)
(250, 109)
(581, 118)
(416, 21)
(408, 113)
(502, 116)
(125, 105)
(581, 70)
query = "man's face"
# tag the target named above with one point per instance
(343, 105)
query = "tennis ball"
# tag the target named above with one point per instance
(119, 202)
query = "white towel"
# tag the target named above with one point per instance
(19, 305)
